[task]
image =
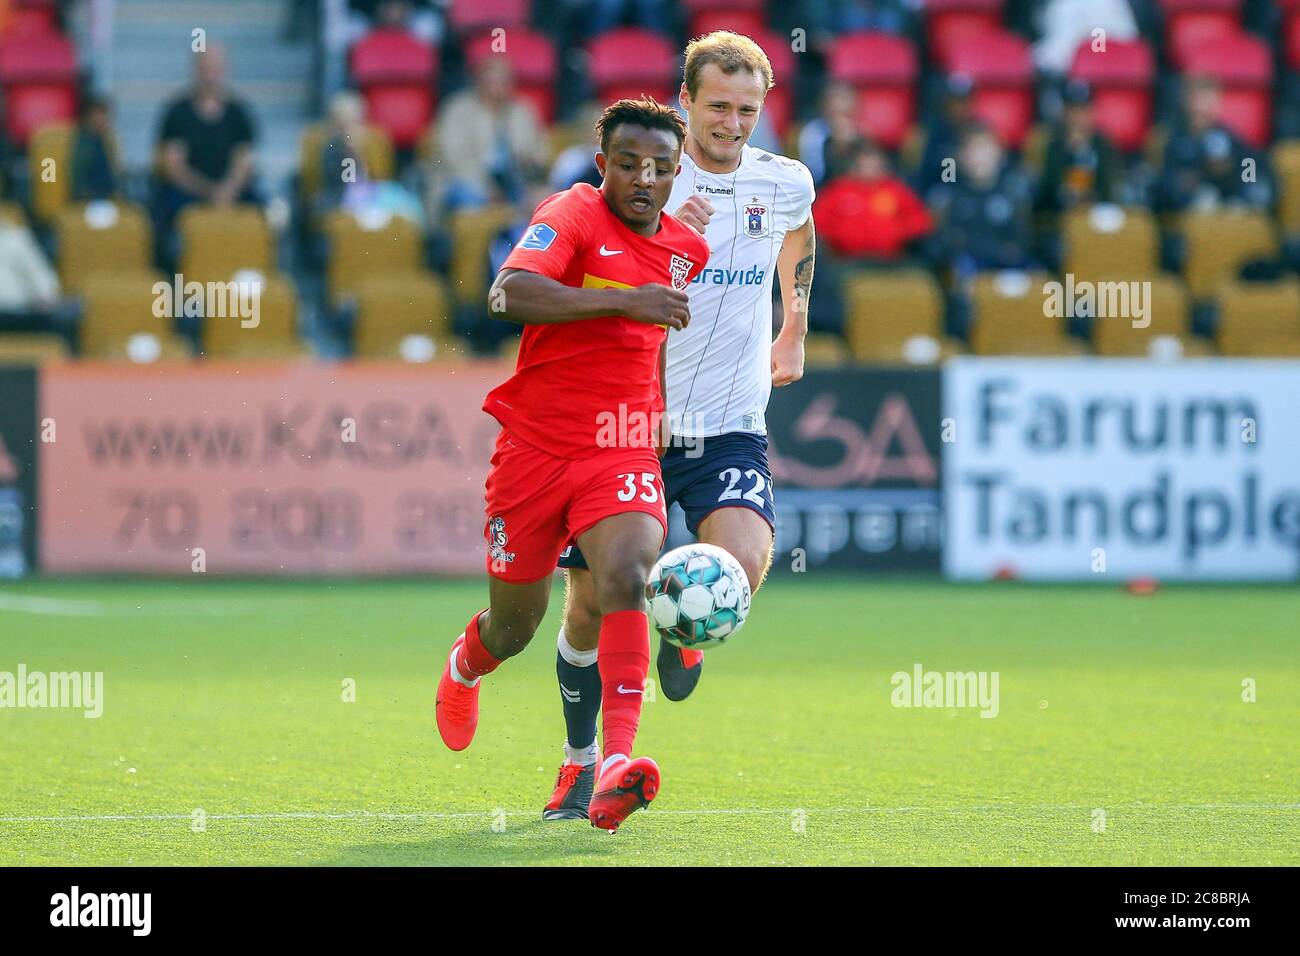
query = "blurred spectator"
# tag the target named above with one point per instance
(1080, 166)
(487, 333)
(490, 143)
(29, 287)
(1205, 163)
(985, 214)
(577, 163)
(417, 17)
(869, 211)
(1065, 24)
(944, 133)
(206, 142)
(826, 19)
(591, 18)
(825, 143)
(93, 175)
(343, 157)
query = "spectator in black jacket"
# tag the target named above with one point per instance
(1081, 166)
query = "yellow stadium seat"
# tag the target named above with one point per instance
(1167, 311)
(32, 348)
(824, 350)
(1009, 317)
(390, 310)
(275, 334)
(1260, 318)
(885, 309)
(117, 309)
(1286, 161)
(1106, 239)
(471, 235)
(218, 242)
(11, 212)
(358, 253)
(49, 166)
(376, 152)
(102, 239)
(1219, 243)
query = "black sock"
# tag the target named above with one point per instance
(580, 690)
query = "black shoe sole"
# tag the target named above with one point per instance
(676, 681)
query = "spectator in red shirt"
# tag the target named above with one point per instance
(869, 211)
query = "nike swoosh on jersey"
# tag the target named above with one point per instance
(609, 252)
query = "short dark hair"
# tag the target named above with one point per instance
(647, 112)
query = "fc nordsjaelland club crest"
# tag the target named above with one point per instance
(679, 268)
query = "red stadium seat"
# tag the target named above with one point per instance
(779, 105)
(748, 22)
(949, 22)
(883, 68)
(474, 16)
(32, 16)
(630, 61)
(1291, 33)
(1190, 22)
(533, 59)
(1002, 72)
(395, 73)
(1243, 64)
(1121, 81)
(38, 72)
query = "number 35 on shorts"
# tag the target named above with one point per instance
(647, 488)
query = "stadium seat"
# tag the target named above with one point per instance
(883, 68)
(1243, 65)
(117, 311)
(1121, 79)
(1291, 33)
(1219, 243)
(1100, 240)
(50, 143)
(28, 17)
(102, 238)
(38, 75)
(949, 23)
(31, 348)
(628, 62)
(533, 60)
(275, 336)
(358, 251)
(1260, 319)
(1002, 71)
(396, 73)
(1286, 163)
(392, 310)
(377, 151)
(12, 212)
(744, 16)
(1189, 23)
(474, 16)
(825, 350)
(471, 234)
(1167, 309)
(1008, 318)
(885, 309)
(779, 105)
(217, 243)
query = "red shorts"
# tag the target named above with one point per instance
(538, 504)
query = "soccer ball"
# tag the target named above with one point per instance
(699, 596)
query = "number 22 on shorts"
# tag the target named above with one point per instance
(649, 490)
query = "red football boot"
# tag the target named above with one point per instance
(457, 706)
(625, 787)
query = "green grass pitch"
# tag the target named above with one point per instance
(227, 697)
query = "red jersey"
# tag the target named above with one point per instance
(571, 377)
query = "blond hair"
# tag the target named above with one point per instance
(732, 52)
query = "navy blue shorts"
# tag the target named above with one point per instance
(724, 471)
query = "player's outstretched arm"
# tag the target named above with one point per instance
(534, 299)
(794, 267)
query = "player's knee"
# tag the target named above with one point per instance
(512, 631)
(622, 588)
(582, 626)
(755, 560)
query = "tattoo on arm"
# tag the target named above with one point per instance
(803, 273)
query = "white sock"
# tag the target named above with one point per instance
(584, 756)
(610, 761)
(571, 654)
(457, 676)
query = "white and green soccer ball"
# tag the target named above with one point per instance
(699, 596)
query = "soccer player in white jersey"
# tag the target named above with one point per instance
(755, 210)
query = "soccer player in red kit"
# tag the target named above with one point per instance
(597, 280)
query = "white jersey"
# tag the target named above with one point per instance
(720, 366)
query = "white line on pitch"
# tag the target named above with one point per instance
(702, 811)
(63, 607)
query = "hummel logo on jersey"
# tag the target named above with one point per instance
(708, 190)
(623, 690)
(609, 252)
